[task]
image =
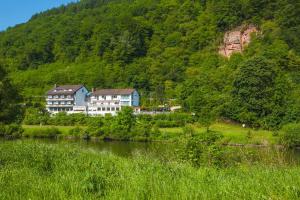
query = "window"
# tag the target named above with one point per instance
(49, 97)
(103, 109)
(115, 97)
(117, 103)
(49, 102)
(108, 108)
(125, 103)
(69, 97)
(99, 109)
(104, 97)
(117, 109)
(113, 109)
(56, 96)
(125, 96)
(62, 96)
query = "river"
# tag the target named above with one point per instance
(158, 150)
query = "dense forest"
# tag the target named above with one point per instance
(168, 50)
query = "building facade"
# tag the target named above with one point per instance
(110, 101)
(67, 98)
(77, 99)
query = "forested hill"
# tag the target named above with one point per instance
(168, 49)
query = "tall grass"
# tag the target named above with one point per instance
(29, 170)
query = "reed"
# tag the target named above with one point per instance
(31, 170)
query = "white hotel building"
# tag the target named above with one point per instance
(110, 101)
(76, 99)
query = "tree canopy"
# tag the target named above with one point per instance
(167, 50)
(10, 110)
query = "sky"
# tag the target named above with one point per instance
(13, 12)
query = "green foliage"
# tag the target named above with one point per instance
(36, 116)
(189, 130)
(166, 50)
(10, 110)
(73, 173)
(11, 130)
(203, 149)
(259, 94)
(291, 135)
(52, 132)
(124, 121)
(76, 132)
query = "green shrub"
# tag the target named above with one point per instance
(12, 130)
(188, 130)
(95, 131)
(43, 132)
(143, 130)
(77, 131)
(290, 136)
(204, 149)
(167, 124)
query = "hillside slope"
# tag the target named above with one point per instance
(166, 49)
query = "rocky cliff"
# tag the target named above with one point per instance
(236, 40)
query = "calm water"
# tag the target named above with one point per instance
(124, 149)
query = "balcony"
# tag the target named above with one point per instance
(104, 103)
(59, 106)
(61, 99)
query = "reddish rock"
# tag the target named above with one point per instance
(236, 40)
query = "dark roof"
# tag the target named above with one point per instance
(113, 92)
(65, 90)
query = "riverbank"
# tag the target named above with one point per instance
(233, 134)
(67, 172)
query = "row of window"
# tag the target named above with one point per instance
(60, 103)
(107, 109)
(112, 97)
(60, 109)
(106, 103)
(59, 97)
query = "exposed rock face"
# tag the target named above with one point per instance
(236, 40)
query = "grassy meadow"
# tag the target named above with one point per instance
(31, 170)
(233, 134)
(63, 129)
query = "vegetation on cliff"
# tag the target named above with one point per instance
(167, 50)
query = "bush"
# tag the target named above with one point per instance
(77, 131)
(204, 149)
(12, 130)
(188, 130)
(290, 136)
(142, 129)
(43, 133)
(95, 131)
(168, 124)
(36, 116)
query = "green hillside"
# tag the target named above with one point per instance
(168, 49)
